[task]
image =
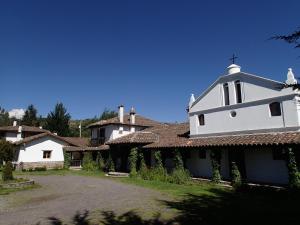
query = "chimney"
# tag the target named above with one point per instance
(15, 123)
(121, 114)
(233, 68)
(132, 115)
(40, 127)
(132, 119)
(20, 129)
(19, 134)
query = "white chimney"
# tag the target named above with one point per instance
(290, 77)
(132, 119)
(233, 68)
(40, 127)
(15, 123)
(121, 114)
(19, 134)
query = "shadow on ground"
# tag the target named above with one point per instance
(219, 207)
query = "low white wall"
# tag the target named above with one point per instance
(261, 167)
(33, 151)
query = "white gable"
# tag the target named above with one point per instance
(251, 114)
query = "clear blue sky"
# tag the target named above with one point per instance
(149, 54)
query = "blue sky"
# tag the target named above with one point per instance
(148, 54)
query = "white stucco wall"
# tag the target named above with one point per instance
(113, 131)
(261, 167)
(12, 136)
(252, 114)
(33, 151)
(199, 167)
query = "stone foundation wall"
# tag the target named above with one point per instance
(48, 165)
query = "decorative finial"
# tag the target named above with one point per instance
(233, 58)
(192, 100)
(290, 77)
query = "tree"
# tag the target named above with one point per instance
(7, 152)
(30, 117)
(292, 38)
(132, 161)
(58, 120)
(294, 176)
(236, 180)
(178, 162)
(108, 114)
(4, 118)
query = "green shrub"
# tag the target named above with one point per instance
(7, 173)
(158, 160)
(143, 171)
(100, 162)
(236, 180)
(180, 176)
(294, 177)
(216, 165)
(67, 160)
(88, 163)
(178, 162)
(133, 161)
(30, 169)
(41, 168)
(110, 166)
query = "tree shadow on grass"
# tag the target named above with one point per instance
(220, 207)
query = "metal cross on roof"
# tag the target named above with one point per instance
(233, 58)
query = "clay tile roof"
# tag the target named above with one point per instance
(276, 138)
(85, 148)
(24, 128)
(77, 141)
(165, 133)
(142, 137)
(69, 141)
(139, 121)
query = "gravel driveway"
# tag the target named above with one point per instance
(63, 196)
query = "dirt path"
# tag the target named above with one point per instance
(63, 196)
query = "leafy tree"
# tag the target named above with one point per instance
(58, 120)
(108, 114)
(7, 152)
(7, 173)
(30, 117)
(4, 118)
(292, 38)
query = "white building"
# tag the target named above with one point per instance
(36, 147)
(243, 105)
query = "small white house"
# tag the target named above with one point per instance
(36, 147)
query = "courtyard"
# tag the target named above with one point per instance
(65, 197)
